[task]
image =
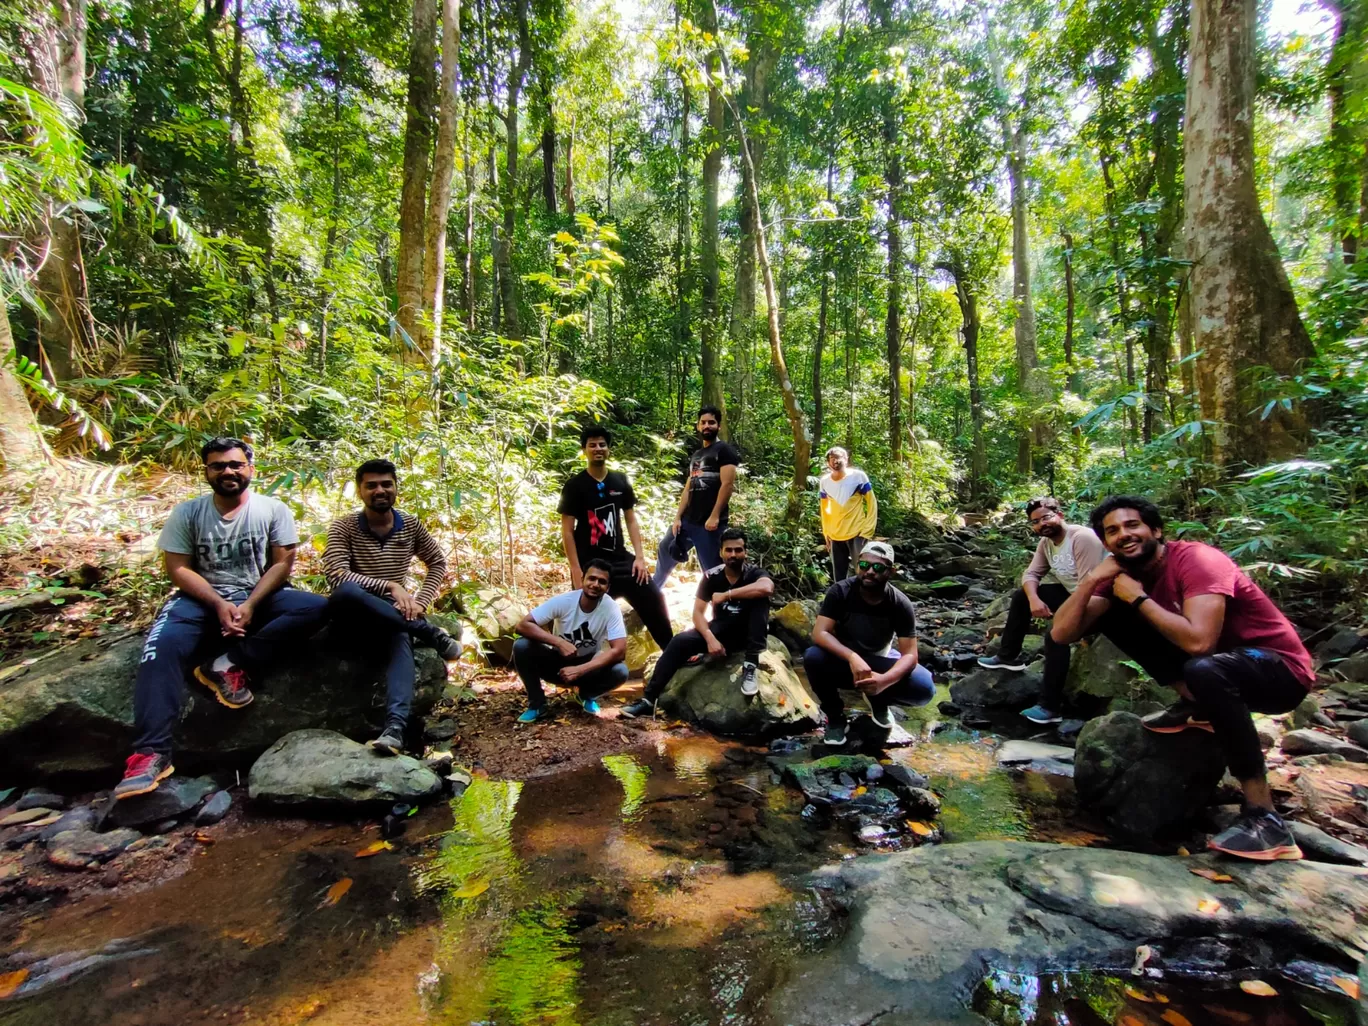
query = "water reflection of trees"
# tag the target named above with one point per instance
(633, 776)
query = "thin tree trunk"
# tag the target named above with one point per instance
(1347, 87)
(468, 230)
(1069, 305)
(508, 285)
(568, 192)
(548, 148)
(823, 307)
(893, 180)
(969, 316)
(1244, 313)
(21, 446)
(417, 148)
(443, 169)
(710, 278)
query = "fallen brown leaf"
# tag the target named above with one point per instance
(1175, 1018)
(1258, 988)
(336, 891)
(203, 836)
(1347, 984)
(10, 982)
(374, 848)
(1212, 875)
(1208, 906)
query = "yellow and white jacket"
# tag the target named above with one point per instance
(849, 509)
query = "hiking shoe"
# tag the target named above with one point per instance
(997, 662)
(1039, 714)
(1258, 834)
(229, 686)
(750, 684)
(1181, 715)
(390, 741)
(143, 772)
(590, 706)
(532, 715)
(641, 707)
(883, 719)
(447, 647)
(835, 734)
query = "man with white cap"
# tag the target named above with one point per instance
(866, 638)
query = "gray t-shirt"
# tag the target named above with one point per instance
(231, 554)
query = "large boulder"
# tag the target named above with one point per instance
(71, 713)
(319, 768)
(999, 689)
(793, 623)
(1099, 670)
(924, 927)
(710, 695)
(1144, 783)
(494, 614)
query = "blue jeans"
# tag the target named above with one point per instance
(536, 663)
(828, 675)
(696, 536)
(186, 632)
(373, 625)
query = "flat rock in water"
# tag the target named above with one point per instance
(710, 696)
(80, 818)
(1318, 845)
(27, 816)
(90, 846)
(1314, 742)
(214, 809)
(1037, 756)
(40, 798)
(319, 767)
(174, 797)
(1145, 783)
(919, 941)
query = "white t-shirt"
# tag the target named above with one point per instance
(1063, 566)
(563, 616)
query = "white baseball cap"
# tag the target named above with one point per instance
(878, 550)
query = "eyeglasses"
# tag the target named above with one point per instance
(219, 466)
(1047, 515)
(878, 568)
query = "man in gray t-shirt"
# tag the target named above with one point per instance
(229, 554)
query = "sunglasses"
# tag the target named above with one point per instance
(219, 466)
(878, 568)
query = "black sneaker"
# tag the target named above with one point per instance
(641, 707)
(835, 733)
(229, 686)
(390, 741)
(447, 647)
(997, 662)
(750, 685)
(143, 772)
(883, 718)
(1181, 715)
(1258, 834)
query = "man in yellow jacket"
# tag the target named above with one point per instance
(849, 511)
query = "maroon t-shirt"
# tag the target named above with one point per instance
(1251, 618)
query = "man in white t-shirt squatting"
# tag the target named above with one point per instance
(575, 640)
(1065, 554)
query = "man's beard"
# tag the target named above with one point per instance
(381, 505)
(221, 487)
(1131, 564)
(872, 583)
(735, 564)
(1053, 533)
(709, 434)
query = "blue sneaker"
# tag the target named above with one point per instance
(590, 705)
(531, 715)
(1039, 714)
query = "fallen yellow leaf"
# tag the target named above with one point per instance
(203, 837)
(473, 889)
(1175, 1018)
(860, 790)
(336, 891)
(374, 848)
(1183, 851)
(919, 828)
(1130, 1020)
(1139, 995)
(1208, 906)
(1347, 984)
(10, 982)
(1212, 875)
(1258, 988)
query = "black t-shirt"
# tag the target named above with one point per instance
(705, 479)
(868, 629)
(715, 580)
(598, 507)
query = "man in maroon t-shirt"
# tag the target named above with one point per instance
(1187, 614)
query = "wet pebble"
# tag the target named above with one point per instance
(165, 826)
(214, 809)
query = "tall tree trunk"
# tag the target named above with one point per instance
(754, 98)
(417, 150)
(823, 318)
(683, 233)
(969, 328)
(893, 180)
(21, 446)
(1069, 305)
(1027, 358)
(1347, 86)
(1244, 313)
(508, 198)
(548, 148)
(1122, 281)
(54, 40)
(710, 278)
(443, 169)
(468, 231)
(568, 191)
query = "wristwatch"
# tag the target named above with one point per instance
(1139, 601)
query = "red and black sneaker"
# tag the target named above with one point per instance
(1181, 715)
(229, 686)
(143, 772)
(1258, 834)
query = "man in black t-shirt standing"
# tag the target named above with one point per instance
(597, 507)
(738, 594)
(853, 645)
(702, 513)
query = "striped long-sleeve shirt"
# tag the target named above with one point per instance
(355, 554)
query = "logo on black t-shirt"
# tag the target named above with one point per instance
(603, 533)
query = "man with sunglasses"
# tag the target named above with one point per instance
(229, 554)
(597, 509)
(1066, 554)
(866, 638)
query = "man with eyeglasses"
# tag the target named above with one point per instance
(229, 554)
(866, 638)
(598, 515)
(1066, 553)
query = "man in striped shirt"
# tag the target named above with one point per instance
(367, 563)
